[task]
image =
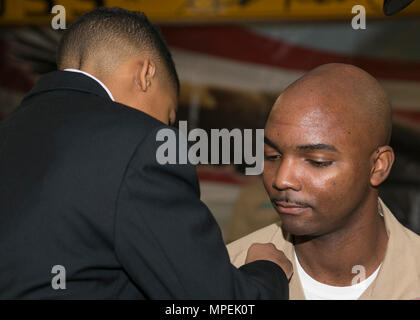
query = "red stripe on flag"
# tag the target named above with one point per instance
(238, 43)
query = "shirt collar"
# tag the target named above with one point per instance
(396, 279)
(94, 78)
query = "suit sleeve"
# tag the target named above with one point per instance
(169, 243)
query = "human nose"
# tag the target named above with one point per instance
(285, 177)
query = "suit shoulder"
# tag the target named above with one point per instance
(124, 123)
(136, 119)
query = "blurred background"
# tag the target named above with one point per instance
(234, 57)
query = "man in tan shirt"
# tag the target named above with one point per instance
(326, 152)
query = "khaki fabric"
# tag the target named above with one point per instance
(252, 211)
(398, 277)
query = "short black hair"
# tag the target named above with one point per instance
(99, 26)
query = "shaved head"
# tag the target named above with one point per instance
(326, 150)
(349, 95)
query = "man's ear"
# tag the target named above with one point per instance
(383, 158)
(145, 74)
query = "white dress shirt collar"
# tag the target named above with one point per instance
(94, 78)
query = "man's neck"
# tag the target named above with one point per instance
(337, 258)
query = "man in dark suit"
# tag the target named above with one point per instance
(85, 209)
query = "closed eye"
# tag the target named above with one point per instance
(320, 164)
(272, 157)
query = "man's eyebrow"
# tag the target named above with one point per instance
(318, 146)
(306, 147)
(270, 143)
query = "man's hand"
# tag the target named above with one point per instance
(267, 251)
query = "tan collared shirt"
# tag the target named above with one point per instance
(398, 277)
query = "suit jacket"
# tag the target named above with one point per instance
(398, 277)
(80, 188)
